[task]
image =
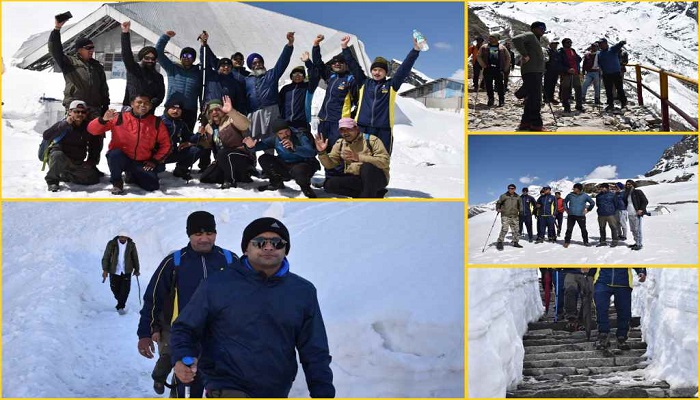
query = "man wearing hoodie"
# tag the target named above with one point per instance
(575, 207)
(605, 201)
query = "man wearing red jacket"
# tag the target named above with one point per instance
(139, 142)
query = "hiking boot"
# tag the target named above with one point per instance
(623, 238)
(182, 173)
(552, 239)
(636, 247)
(516, 244)
(523, 127)
(118, 188)
(601, 244)
(529, 240)
(490, 103)
(602, 342)
(622, 343)
(610, 108)
(499, 245)
(566, 245)
(572, 326)
(538, 129)
(567, 108)
(586, 244)
(121, 311)
(271, 186)
(308, 192)
(580, 108)
(228, 185)
(381, 193)
(539, 240)
(159, 387)
(53, 187)
(613, 244)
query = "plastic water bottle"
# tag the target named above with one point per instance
(420, 39)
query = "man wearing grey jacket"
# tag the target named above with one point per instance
(532, 69)
(509, 205)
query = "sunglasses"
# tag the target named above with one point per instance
(187, 56)
(511, 188)
(337, 63)
(79, 111)
(89, 48)
(149, 58)
(277, 243)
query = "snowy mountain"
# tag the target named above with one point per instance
(662, 35)
(392, 303)
(678, 161)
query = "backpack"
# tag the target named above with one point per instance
(46, 146)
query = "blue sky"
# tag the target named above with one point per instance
(496, 161)
(385, 29)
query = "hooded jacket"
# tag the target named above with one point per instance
(248, 326)
(136, 136)
(228, 133)
(111, 256)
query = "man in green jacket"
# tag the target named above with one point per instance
(120, 260)
(509, 205)
(532, 69)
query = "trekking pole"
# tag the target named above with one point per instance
(139, 286)
(489, 236)
(188, 361)
(556, 296)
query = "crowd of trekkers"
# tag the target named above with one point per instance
(240, 112)
(617, 206)
(492, 60)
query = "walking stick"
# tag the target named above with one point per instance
(556, 297)
(489, 236)
(139, 286)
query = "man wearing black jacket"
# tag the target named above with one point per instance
(142, 77)
(636, 203)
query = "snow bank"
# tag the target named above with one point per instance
(501, 303)
(668, 305)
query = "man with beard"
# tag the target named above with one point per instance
(140, 142)
(570, 77)
(532, 68)
(184, 78)
(636, 203)
(494, 59)
(72, 143)
(143, 77)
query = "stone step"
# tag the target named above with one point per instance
(583, 346)
(577, 355)
(552, 334)
(560, 325)
(590, 380)
(598, 360)
(568, 340)
(580, 371)
(593, 392)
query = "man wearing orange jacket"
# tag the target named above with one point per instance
(476, 67)
(139, 143)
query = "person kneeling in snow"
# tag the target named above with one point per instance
(296, 157)
(614, 282)
(365, 163)
(140, 142)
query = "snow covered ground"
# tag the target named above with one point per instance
(427, 162)
(503, 301)
(392, 303)
(669, 237)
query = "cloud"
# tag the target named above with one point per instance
(442, 46)
(528, 179)
(602, 172)
(459, 74)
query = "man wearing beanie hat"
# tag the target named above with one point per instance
(259, 315)
(184, 78)
(636, 203)
(183, 143)
(224, 134)
(119, 261)
(620, 210)
(85, 79)
(171, 288)
(363, 159)
(295, 98)
(238, 63)
(295, 159)
(341, 92)
(605, 201)
(142, 77)
(375, 111)
(532, 68)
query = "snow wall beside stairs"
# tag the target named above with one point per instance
(501, 303)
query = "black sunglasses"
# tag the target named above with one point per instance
(277, 243)
(149, 58)
(79, 111)
(89, 47)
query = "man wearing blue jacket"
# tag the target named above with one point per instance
(171, 288)
(183, 142)
(620, 210)
(296, 157)
(605, 201)
(295, 98)
(243, 328)
(547, 210)
(526, 213)
(614, 282)
(575, 207)
(609, 63)
(375, 112)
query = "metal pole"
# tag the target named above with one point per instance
(663, 81)
(489, 236)
(139, 286)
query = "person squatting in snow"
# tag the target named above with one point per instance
(142, 144)
(615, 208)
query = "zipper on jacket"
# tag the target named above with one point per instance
(371, 120)
(204, 267)
(291, 106)
(138, 136)
(330, 95)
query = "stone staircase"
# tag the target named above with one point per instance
(559, 363)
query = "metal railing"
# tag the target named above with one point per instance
(663, 96)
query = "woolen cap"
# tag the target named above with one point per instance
(82, 42)
(279, 124)
(147, 50)
(189, 50)
(380, 62)
(262, 225)
(200, 221)
(298, 69)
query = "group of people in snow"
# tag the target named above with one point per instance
(492, 61)
(592, 284)
(617, 206)
(241, 112)
(228, 326)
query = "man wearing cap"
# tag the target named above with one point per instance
(529, 205)
(219, 81)
(531, 68)
(364, 160)
(476, 67)
(576, 210)
(255, 318)
(570, 77)
(605, 201)
(509, 205)
(119, 261)
(636, 203)
(184, 78)
(494, 59)
(224, 133)
(72, 143)
(183, 143)
(295, 98)
(238, 60)
(592, 73)
(139, 143)
(142, 77)
(171, 288)
(547, 208)
(609, 62)
(341, 91)
(296, 157)
(377, 97)
(552, 68)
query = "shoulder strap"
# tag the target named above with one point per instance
(158, 121)
(229, 257)
(120, 119)
(176, 258)
(369, 146)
